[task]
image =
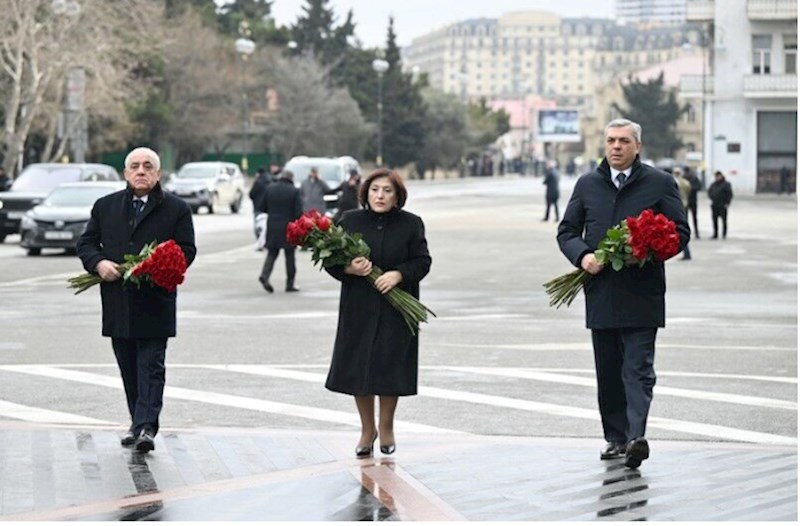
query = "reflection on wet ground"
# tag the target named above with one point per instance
(238, 475)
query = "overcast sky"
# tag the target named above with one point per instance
(413, 18)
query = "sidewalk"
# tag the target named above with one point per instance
(82, 473)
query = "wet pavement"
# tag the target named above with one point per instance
(50, 473)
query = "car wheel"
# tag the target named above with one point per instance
(34, 251)
(236, 205)
(195, 209)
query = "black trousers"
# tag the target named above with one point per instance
(692, 210)
(141, 365)
(549, 202)
(717, 213)
(272, 255)
(625, 378)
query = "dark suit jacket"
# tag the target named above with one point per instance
(281, 202)
(128, 311)
(632, 297)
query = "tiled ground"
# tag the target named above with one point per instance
(59, 473)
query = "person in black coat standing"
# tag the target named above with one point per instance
(552, 194)
(138, 319)
(623, 309)
(281, 202)
(721, 195)
(348, 199)
(375, 353)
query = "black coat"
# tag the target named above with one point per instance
(632, 297)
(281, 202)
(720, 193)
(551, 182)
(130, 311)
(375, 352)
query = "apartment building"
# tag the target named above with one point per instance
(749, 90)
(536, 53)
(651, 12)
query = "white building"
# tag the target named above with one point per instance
(651, 12)
(750, 85)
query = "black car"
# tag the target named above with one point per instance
(59, 221)
(39, 179)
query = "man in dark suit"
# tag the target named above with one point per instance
(138, 319)
(281, 202)
(623, 309)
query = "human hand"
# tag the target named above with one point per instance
(388, 280)
(107, 270)
(589, 264)
(360, 266)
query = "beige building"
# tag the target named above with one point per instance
(539, 53)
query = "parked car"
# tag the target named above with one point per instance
(39, 179)
(60, 219)
(211, 184)
(333, 170)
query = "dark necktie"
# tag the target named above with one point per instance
(621, 177)
(138, 208)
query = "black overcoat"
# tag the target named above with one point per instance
(632, 297)
(130, 311)
(281, 202)
(551, 182)
(375, 352)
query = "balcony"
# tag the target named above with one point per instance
(772, 9)
(770, 86)
(691, 86)
(700, 10)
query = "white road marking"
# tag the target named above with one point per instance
(45, 416)
(694, 428)
(659, 390)
(208, 397)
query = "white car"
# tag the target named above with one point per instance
(212, 184)
(333, 170)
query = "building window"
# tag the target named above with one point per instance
(790, 53)
(762, 45)
(691, 114)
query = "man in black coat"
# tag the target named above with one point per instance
(721, 195)
(623, 309)
(281, 202)
(138, 319)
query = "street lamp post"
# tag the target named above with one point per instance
(380, 66)
(245, 48)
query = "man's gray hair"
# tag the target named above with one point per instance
(621, 123)
(154, 158)
(287, 174)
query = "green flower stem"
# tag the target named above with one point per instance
(412, 310)
(563, 289)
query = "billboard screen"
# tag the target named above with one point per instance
(558, 125)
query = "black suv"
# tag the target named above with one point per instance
(36, 181)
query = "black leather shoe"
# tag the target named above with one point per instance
(145, 442)
(388, 450)
(613, 450)
(638, 450)
(292, 288)
(128, 439)
(266, 285)
(366, 451)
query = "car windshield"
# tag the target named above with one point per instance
(329, 172)
(84, 195)
(44, 179)
(198, 171)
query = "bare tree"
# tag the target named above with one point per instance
(312, 118)
(42, 41)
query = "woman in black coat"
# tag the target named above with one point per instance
(375, 353)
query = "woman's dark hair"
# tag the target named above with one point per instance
(394, 178)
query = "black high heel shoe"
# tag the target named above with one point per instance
(366, 451)
(388, 450)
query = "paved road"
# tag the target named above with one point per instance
(496, 361)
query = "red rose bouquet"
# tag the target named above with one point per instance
(635, 241)
(163, 265)
(331, 245)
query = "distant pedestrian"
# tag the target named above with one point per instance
(696, 185)
(552, 192)
(685, 188)
(348, 199)
(260, 183)
(139, 320)
(721, 194)
(281, 203)
(312, 192)
(784, 176)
